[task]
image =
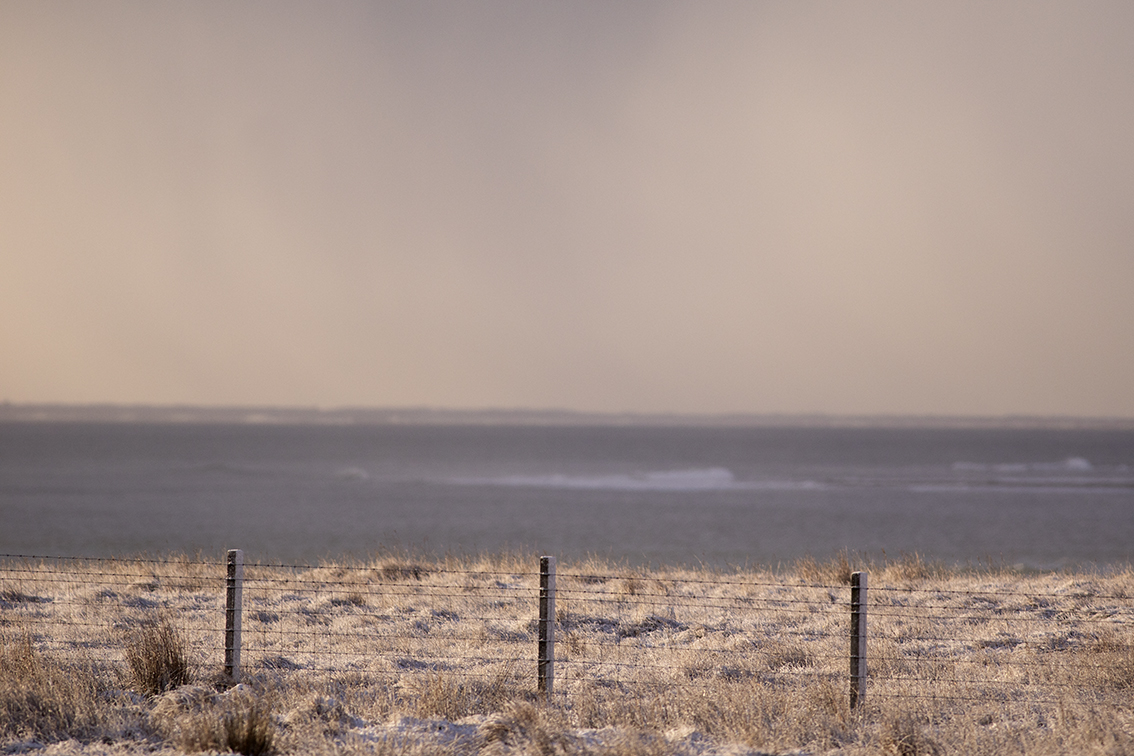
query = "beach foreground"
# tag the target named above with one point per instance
(407, 654)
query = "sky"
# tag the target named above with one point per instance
(710, 207)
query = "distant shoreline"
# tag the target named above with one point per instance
(253, 415)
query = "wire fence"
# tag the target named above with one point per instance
(92, 608)
(659, 633)
(1037, 641)
(392, 620)
(1067, 641)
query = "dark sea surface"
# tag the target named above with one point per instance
(1038, 498)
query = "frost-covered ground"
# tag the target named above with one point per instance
(401, 655)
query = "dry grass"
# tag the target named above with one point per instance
(836, 571)
(197, 718)
(43, 697)
(401, 654)
(156, 658)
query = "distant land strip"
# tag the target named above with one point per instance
(230, 415)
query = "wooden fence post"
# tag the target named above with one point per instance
(858, 639)
(546, 626)
(233, 599)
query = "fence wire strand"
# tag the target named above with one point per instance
(624, 631)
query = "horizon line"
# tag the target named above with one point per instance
(185, 413)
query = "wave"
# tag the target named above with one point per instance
(703, 479)
(1010, 485)
(352, 473)
(1069, 465)
(232, 468)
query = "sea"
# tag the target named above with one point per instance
(1029, 497)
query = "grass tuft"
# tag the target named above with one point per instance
(45, 698)
(904, 734)
(398, 570)
(836, 570)
(248, 729)
(909, 568)
(156, 657)
(521, 728)
(446, 697)
(196, 718)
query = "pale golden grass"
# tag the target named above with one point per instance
(41, 697)
(406, 654)
(197, 718)
(155, 656)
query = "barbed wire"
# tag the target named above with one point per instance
(710, 686)
(267, 667)
(912, 634)
(389, 636)
(941, 697)
(877, 678)
(909, 637)
(481, 659)
(423, 568)
(424, 592)
(992, 592)
(623, 597)
(35, 578)
(916, 660)
(606, 647)
(116, 560)
(703, 605)
(704, 581)
(289, 583)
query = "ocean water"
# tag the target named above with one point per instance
(1039, 498)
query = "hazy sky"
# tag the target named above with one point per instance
(617, 206)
